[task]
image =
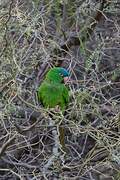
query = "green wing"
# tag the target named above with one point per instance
(53, 94)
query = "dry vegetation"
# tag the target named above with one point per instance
(33, 38)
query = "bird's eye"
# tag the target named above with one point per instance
(61, 75)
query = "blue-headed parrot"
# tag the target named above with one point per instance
(53, 92)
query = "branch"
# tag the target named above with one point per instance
(6, 28)
(5, 146)
(73, 41)
(22, 164)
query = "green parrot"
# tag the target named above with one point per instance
(53, 92)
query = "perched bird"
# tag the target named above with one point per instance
(53, 92)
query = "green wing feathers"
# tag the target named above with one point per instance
(52, 94)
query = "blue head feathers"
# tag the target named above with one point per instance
(57, 74)
(64, 72)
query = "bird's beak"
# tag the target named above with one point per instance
(66, 80)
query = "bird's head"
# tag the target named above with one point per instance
(58, 74)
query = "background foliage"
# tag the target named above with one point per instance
(30, 33)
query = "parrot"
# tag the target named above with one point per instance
(53, 92)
